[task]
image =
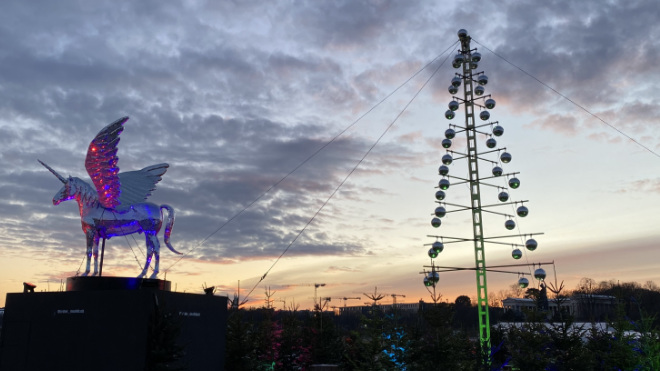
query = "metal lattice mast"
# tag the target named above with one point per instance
(467, 61)
(475, 195)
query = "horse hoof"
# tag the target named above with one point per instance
(84, 274)
(153, 276)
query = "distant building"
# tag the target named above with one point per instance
(402, 307)
(582, 306)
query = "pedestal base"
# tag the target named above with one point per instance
(115, 283)
(112, 323)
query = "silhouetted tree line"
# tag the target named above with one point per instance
(444, 336)
(633, 297)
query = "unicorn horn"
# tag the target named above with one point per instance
(61, 178)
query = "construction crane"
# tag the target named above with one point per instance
(394, 298)
(316, 287)
(345, 299)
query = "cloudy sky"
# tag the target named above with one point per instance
(274, 102)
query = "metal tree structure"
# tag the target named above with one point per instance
(473, 98)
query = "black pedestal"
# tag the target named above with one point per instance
(115, 283)
(111, 323)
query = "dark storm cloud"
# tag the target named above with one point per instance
(353, 24)
(585, 50)
(63, 83)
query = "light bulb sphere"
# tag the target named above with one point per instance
(432, 254)
(539, 274)
(531, 244)
(491, 143)
(506, 157)
(450, 133)
(449, 114)
(446, 143)
(490, 103)
(482, 79)
(438, 246)
(453, 105)
(456, 64)
(453, 89)
(462, 33)
(498, 131)
(479, 90)
(443, 184)
(447, 159)
(503, 197)
(440, 211)
(434, 276)
(514, 183)
(476, 57)
(523, 282)
(427, 282)
(440, 195)
(484, 115)
(443, 170)
(456, 81)
(522, 211)
(497, 171)
(435, 222)
(509, 224)
(459, 58)
(474, 65)
(516, 254)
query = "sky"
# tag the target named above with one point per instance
(275, 114)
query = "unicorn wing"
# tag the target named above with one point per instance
(101, 164)
(136, 186)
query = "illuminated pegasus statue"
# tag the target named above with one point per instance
(115, 205)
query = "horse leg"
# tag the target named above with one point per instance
(156, 250)
(89, 234)
(95, 252)
(150, 253)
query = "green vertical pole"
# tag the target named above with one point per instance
(475, 199)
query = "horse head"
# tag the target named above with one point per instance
(67, 192)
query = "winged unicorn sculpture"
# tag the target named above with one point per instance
(115, 205)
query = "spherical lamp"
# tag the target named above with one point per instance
(531, 244)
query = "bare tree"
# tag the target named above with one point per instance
(652, 286)
(586, 285)
(587, 288)
(515, 291)
(293, 307)
(495, 299)
(268, 301)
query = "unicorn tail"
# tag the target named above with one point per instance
(168, 226)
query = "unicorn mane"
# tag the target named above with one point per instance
(84, 192)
